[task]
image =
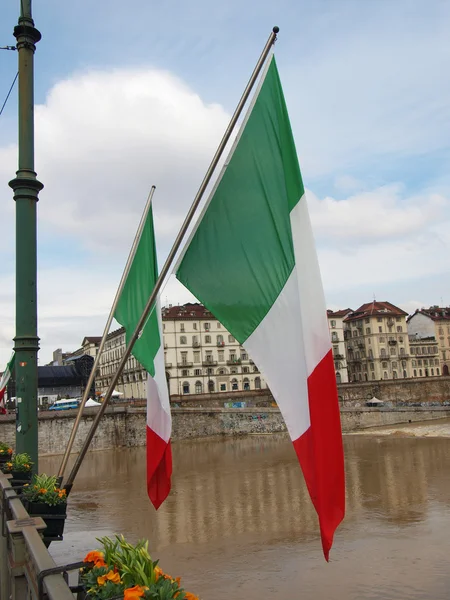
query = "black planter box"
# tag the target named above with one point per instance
(54, 517)
(4, 458)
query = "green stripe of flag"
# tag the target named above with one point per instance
(138, 287)
(241, 254)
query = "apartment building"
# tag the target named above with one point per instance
(201, 356)
(336, 329)
(377, 344)
(433, 322)
(424, 356)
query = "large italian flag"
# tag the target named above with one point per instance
(149, 351)
(252, 261)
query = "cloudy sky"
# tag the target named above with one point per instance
(130, 94)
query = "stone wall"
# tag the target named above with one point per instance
(126, 426)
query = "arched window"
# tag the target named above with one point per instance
(211, 386)
(183, 339)
(186, 387)
(246, 383)
(198, 387)
(338, 377)
(437, 371)
(257, 383)
(373, 375)
(365, 377)
(221, 371)
(404, 374)
(395, 374)
(432, 371)
(385, 375)
(420, 372)
(234, 384)
(415, 372)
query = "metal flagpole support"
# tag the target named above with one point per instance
(165, 270)
(105, 333)
(26, 189)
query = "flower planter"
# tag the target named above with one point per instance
(4, 458)
(54, 517)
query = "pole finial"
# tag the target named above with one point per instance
(276, 29)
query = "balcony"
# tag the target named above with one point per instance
(220, 344)
(168, 365)
(392, 342)
(236, 361)
(184, 365)
(209, 363)
(338, 356)
(361, 345)
(196, 344)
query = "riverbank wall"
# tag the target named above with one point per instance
(125, 426)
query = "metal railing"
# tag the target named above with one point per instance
(27, 571)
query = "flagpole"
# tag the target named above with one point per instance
(165, 270)
(105, 333)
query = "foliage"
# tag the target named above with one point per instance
(20, 463)
(43, 488)
(123, 569)
(5, 448)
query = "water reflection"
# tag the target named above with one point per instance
(246, 498)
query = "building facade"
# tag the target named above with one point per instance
(424, 356)
(377, 344)
(336, 329)
(201, 356)
(433, 322)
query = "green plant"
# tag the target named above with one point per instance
(121, 568)
(44, 488)
(20, 463)
(5, 448)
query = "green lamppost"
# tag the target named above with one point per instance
(26, 189)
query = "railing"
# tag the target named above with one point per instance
(185, 364)
(236, 361)
(27, 571)
(210, 363)
(168, 365)
(196, 344)
(338, 356)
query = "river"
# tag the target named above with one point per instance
(239, 524)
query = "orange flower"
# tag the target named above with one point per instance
(110, 576)
(134, 593)
(95, 557)
(189, 596)
(9, 450)
(158, 572)
(42, 491)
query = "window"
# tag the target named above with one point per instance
(198, 387)
(392, 351)
(197, 372)
(232, 356)
(221, 372)
(400, 339)
(207, 326)
(367, 330)
(233, 370)
(194, 326)
(223, 387)
(338, 378)
(210, 371)
(186, 387)
(381, 340)
(385, 375)
(432, 371)
(210, 386)
(207, 339)
(220, 341)
(244, 356)
(379, 319)
(420, 372)
(384, 365)
(372, 367)
(380, 329)
(196, 356)
(230, 339)
(183, 340)
(415, 373)
(185, 373)
(257, 383)
(333, 323)
(181, 326)
(234, 384)
(369, 340)
(246, 383)
(221, 355)
(334, 337)
(383, 352)
(367, 321)
(394, 365)
(437, 371)
(402, 352)
(184, 357)
(355, 333)
(245, 370)
(209, 357)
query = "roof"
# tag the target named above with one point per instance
(374, 308)
(338, 313)
(92, 339)
(189, 311)
(435, 313)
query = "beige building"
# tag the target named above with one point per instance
(424, 356)
(133, 381)
(377, 343)
(433, 322)
(201, 356)
(336, 329)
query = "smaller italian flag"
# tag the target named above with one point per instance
(4, 382)
(149, 351)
